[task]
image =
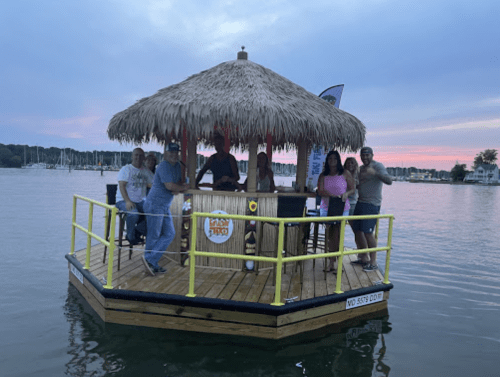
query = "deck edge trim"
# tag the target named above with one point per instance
(202, 302)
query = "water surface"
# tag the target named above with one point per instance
(443, 311)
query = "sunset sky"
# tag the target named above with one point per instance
(423, 76)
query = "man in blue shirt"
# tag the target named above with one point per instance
(161, 232)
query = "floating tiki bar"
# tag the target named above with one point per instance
(252, 107)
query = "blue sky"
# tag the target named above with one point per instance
(424, 76)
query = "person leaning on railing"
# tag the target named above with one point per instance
(223, 166)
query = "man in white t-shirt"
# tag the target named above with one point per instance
(133, 181)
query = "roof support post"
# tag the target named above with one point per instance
(301, 176)
(269, 146)
(184, 153)
(191, 149)
(227, 139)
(252, 165)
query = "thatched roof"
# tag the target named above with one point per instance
(251, 99)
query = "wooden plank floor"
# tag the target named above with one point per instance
(228, 284)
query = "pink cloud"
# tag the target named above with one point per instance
(421, 156)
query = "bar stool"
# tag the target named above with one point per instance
(288, 206)
(316, 236)
(111, 199)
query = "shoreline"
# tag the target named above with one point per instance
(452, 183)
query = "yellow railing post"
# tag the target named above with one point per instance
(89, 237)
(341, 258)
(106, 217)
(111, 248)
(73, 228)
(388, 253)
(279, 264)
(192, 257)
(376, 229)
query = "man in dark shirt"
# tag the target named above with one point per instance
(223, 166)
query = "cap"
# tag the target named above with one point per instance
(172, 147)
(366, 150)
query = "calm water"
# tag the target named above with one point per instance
(443, 311)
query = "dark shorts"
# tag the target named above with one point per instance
(366, 226)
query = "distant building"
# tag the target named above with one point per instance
(420, 176)
(485, 173)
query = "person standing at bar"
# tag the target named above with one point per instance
(265, 176)
(223, 166)
(372, 176)
(161, 232)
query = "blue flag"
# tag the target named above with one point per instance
(333, 95)
(317, 156)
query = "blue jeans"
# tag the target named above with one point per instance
(133, 217)
(161, 231)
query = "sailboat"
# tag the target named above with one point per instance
(61, 165)
(38, 165)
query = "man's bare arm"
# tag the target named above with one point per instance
(123, 190)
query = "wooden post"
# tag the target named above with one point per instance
(227, 140)
(184, 153)
(252, 165)
(191, 164)
(301, 176)
(269, 147)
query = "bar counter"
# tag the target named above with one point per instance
(238, 203)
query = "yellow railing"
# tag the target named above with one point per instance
(110, 244)
(279, 259)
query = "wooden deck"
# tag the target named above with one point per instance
(227, 301)
(228, 284)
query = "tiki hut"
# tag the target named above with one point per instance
(253, 104)
(249, 105)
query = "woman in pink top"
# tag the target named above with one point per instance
(334, 181)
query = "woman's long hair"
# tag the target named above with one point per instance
(356, 171)
(340, 168)
(267, 168)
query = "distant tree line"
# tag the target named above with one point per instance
(15, 156)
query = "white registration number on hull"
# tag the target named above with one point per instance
(77, 273)
(364, 300)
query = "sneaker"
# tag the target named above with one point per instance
(149, 266)
(359, 261)
(132, 243)
(370, 267)
(160, 270)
